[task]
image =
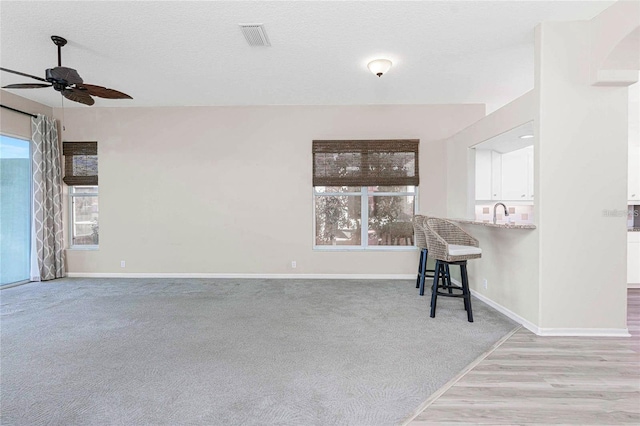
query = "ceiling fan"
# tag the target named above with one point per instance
(67, 81)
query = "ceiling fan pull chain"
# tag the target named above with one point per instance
(62, 103)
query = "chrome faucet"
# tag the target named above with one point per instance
(506, 211)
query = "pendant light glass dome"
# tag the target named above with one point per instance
(379, 66)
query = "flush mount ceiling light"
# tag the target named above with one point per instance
(379, 66)
(526, 136)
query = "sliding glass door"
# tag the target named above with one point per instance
(15, 209)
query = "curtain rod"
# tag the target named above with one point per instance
(18, 111)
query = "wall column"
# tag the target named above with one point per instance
(581, 179)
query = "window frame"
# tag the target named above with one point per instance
(364, 194)
(72, 196)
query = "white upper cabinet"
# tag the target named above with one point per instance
(634, 172)
(517, 174)
(483, 174)
(634, 143)
(504, 166)
(530, 185)
(507, 176)
(496, 175)
(633, 257)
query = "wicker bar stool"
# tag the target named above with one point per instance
(450, 245)
(421, 242)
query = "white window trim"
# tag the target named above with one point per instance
(72, 195)
(364, 213)
(85, 247)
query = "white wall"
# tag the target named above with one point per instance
(581, 163)
(228, 189)
(614, 50)
(567, 276)
(509, 260)
(16, 124)
(433, 179)
(461, 168)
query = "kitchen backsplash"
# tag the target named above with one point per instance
(517, 214)
(524, 214)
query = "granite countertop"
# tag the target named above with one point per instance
(496, 225)
(511, 225)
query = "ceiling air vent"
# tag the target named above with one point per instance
(255, 34)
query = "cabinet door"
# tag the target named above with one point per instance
(634, 142)
(515, 175)
(633, 258)
(483, 174)
(530, 186)
(634, 171)
(496, 175)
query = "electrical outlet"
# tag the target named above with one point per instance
(122, 264)
(485, 284)
(294, 265)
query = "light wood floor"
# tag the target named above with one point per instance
(532, 380)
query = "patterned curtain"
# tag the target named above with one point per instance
(47, 200)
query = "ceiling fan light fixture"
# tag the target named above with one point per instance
(379, 66)
(67, 81)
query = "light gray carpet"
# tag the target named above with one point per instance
(228, 352)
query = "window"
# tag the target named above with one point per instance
(81, 175)
(364, 193)
(15, 209)
(84, 216)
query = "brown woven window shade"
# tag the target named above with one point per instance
(365, 162)
(80, 163)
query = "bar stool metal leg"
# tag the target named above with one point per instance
(465, 291)
(448, 278)
(422, 267)
(439, 270)
(425, 272)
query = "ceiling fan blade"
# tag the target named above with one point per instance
(69, 75)
(78, 95)
(26, 86)
(22, 74)
(103, 92)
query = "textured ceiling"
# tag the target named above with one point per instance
(193, 53)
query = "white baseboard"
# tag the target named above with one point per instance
(566, 332)
(584, 332)
(517, 318)
(637, 285)
(248, 276)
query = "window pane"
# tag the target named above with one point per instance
(338, 220)
(15, 209)
(397, 164)
(344, 164)
(80, 189)
(85, 220)
(85, 165)
(337, 188)
(390, 220)
(402, 188)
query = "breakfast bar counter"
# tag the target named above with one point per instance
(495, 225)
